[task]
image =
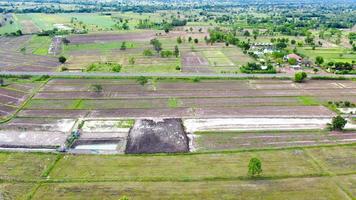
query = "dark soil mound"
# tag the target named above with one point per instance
(148, 136)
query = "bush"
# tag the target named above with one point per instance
(147, 52)
(166, 54)
(96, 88)
(292, 61)
(62, 59)
(300, 76)
(142, 80)
(338, 123)
(116, 68)
(254, 167)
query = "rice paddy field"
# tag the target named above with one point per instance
(276, 120)
(68, 137)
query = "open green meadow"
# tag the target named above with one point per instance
(296, 173)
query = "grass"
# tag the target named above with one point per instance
(225, 140)
(104, 67)
(287, 173)
(14, 190)
(23, 165)
(173, 103)
(181, 167)
(38, 45)
(306, 188)
(103, 47)
(308, 101)
(10, 28)
(329, 54)
(54, 104)
(336, 159)
(217, 58)
(125, 123)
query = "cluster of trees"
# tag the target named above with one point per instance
(164, 25)
(157, 45)
(53, 32)
(340, 66)
(16, 33)
(228, 37)
(258, 68)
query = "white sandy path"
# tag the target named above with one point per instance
(230, 124)
(103, 126)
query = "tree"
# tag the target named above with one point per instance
(190, 39)
(123, 46)
(62, 59)
(196, 40)
(157, 45)
(254, 167)
(247, 33)
(281, 45)
(176, 51)
(179, 40)
(65, 41)
(300, 76)
(142, 80)
(338, 123)
(319, 60)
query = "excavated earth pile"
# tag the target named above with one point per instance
(163, 136)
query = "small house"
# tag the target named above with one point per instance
(295, 56)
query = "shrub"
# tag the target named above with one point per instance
(116, 68)
(254, 167)
(338, 123)
(142, 80)
(300, 76)
(292, 61)
(166, 54)
(62, 59)
(147, 52)
(96, 88)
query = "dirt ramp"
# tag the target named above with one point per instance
(157, 136)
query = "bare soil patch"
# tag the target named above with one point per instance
(149, 136)
(108, 37)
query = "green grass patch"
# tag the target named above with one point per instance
(24, 166)
(103, 47)
(128, 123)
(15, 190)
(52, 104)
(173, 103)
(38, 45)
(302, 188)
(336, 159)
(308, 101)
(181, 167)
(217, 58)
(104, 67)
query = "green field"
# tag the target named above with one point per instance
(217, 58)
(329, 54)
(38, 45)
(295, 173)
